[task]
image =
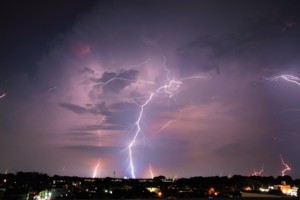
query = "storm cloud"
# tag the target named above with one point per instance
(193, 76)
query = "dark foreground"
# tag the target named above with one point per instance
(32, 185)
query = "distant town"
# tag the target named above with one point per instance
(39, 186)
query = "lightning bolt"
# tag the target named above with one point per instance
(177, 84)
(151, 172)
(96, 169)
(96, 172)
(288, 78)
(2, 95)
(255, 173)
(294, 80)
(138, 130)
(50, 89)
(175, 177)
(63, 170)
(116, 77)
(287, 168)
(169, 88)
(167, 124)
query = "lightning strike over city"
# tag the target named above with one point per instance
(136, 134)
(174, 83)
(169, 88)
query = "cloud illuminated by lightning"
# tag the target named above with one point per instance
(287, 168)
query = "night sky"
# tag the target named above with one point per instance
(76, 78)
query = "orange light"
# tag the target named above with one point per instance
(160, 194)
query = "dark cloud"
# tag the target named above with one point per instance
(83, 136)
(116, 119)
(124, 106)
(117, 81)
(102, 151)
(231, 150)
(113, 115)
(116, 115)
(95, 109)
(98, 109)
(88, 70)
(198, 55)
(102, 126)
(260, 38)
(74, 108)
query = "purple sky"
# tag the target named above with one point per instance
(226, 119)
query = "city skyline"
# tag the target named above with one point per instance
(146, 88)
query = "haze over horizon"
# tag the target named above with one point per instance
(75, 76)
